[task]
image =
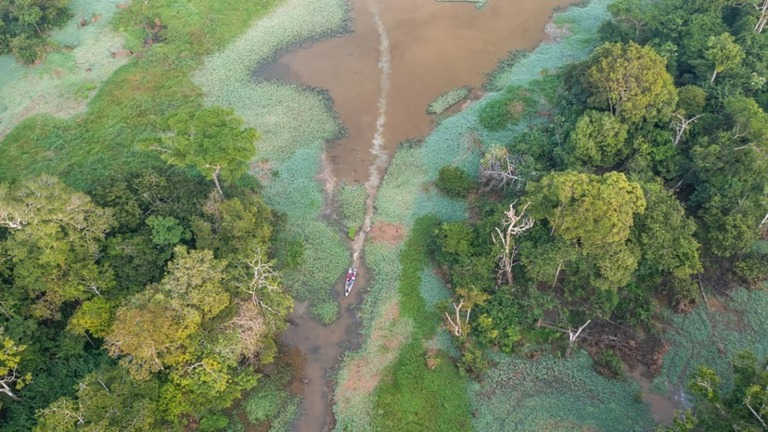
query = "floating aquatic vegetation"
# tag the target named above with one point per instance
(713, 338)
(294, 22)
(447, 100)
(478, 3)
(554, 395)
(295, 192)
(351, 200)
(494, 79)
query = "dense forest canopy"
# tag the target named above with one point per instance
(647, 187)
(155, 293)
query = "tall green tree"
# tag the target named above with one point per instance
(23, 23)
(743, 408)
(593, 210)
(598, 139)
(724, 53)
(213, 140)
(631, 82)
(665, 234)
(592, 216)
(109, 400)
(151, 332)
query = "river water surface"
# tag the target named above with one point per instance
(400, 55)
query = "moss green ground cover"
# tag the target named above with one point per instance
(412, 397)
(68, 78)
(292, 153)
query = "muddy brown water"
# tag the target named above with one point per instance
(400, 56)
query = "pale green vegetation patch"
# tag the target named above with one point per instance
(554, 395)
(433, 289)
(295, 192)
(275, 109)
(293, 22)
(712, 338)
(351, 200)
(513, 57)
(478, 3)
(66, 79)
(582, 24)
(383, 336)
(447, 100)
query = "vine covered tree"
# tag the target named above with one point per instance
(213, 140)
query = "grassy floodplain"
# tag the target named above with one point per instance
(64, 82)
(102, 141)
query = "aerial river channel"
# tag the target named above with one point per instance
(400, 55)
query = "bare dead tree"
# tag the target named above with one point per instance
(468, 298)
(7, 380)
(764, 224)
(573, 335)
(680, 126)
(513, 225)
(498, 170)
(762, 19)
(67, 412)
(457, 327)
(756, 413)
(262, 278)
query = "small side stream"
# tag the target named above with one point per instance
(402, 54)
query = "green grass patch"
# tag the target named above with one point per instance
(351, 200)
(354, 407)
(447, 100)
(66, 79)
(413, 397)
(513, 106)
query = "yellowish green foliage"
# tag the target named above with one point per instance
(54, 242)
(631, 82)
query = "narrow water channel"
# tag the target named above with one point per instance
(400, 56)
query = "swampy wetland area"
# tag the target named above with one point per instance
(556, 209)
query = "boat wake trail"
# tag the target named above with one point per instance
(380, 161)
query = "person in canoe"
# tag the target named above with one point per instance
(350, 281)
